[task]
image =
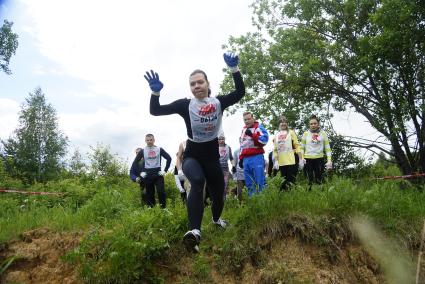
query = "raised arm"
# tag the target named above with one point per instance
(155, 108)
(232, 62)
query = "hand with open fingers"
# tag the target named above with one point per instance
(231, 59)
(153, 80)
(143, 174)
(161, 173)
(328, 165)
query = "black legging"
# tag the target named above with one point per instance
(289, 174)
(143, 197)
(153, 182)
(199, 172)
(314, 169)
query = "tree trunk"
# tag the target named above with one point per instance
(400, 157)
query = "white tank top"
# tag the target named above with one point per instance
(224, 155)
(152, 157)
(284, 141)
(205, 119)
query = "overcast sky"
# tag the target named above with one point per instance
(89, 58)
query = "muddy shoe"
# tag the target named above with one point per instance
(191, 240)
(220, 223)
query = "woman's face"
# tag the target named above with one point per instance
(314, 124)
(199, 86)
(283, 125)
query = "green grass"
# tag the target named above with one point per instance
(124, 243)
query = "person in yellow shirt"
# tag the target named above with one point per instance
(314, 144)
(286, 146)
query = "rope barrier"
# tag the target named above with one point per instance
(402, 177)
(29, 192)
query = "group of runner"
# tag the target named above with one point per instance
(202, 160)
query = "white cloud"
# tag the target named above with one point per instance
(8, 117)
(111, 45)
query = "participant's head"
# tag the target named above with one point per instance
(283, 123)
(221, 139)
(199, 84)
(248, 119)
(149, 139)
(137, 150)
(314, 123)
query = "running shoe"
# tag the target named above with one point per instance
(220, 223)
(191, 240)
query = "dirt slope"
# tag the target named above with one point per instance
(39, 258)
(286, 260)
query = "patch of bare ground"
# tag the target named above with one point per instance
(287, 260)
(38, 258)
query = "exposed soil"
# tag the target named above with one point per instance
(285, 260)
(290, 261)
(38, 259)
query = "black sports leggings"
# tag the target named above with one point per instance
(153, 182)
(315, 169)
(197, 172)
(289, 173)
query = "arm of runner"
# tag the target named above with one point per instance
(178, 106)
(297, 145)
(260, 136)
(327, 147)
(167, 157)
(303, 141)
(178, 184)
(232, 62)
(133, 170)
(179, 158)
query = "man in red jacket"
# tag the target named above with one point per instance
(252, 140)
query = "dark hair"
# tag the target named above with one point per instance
(149, 135)
(313, 116)
(199, 71)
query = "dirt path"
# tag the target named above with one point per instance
(39, 255)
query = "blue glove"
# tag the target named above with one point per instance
(153, 80)
(231, 59)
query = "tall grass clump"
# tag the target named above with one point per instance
(321, 216)
(81, 203)
(127, 253)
